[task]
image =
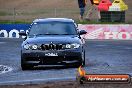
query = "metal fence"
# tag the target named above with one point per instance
(27, 15)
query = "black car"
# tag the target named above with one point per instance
(52, 41)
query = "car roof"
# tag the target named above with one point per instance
(53, 19)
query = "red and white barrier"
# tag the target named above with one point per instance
(120, 32)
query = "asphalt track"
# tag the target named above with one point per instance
(102, 57)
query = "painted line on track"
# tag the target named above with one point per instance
(36, 81)
(101, 45)
(2, 42)
(5, 69)
(128, 48)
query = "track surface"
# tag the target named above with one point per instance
(102, 56)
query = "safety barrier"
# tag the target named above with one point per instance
(12, 30)
(112, 16)
(104, 5)
(120, 32)
(117, 32)
(118, 5)
(112, 12)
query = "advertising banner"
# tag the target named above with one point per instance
(94, 31)
(12, 30)
(120, 32)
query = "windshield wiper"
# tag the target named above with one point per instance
(52, 34)
(68, 34)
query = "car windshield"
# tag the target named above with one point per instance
(53, 28)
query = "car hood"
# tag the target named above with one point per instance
(53, 39)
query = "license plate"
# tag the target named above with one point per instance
(51, 54)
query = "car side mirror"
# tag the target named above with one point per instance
(22, 33)
(82, 32)
(76, 25)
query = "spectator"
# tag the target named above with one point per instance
(93, 10)
(81, 4)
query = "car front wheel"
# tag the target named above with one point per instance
(83, 58)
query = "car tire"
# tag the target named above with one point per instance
(81, 62)
(25, 66)
(83, 58)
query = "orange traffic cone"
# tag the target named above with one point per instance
(81, 71)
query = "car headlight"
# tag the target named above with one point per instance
(74, 45)
(34, 47)
(68, 46)
(28, 46)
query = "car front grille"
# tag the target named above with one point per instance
(51, 46)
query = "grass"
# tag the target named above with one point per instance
(15, 22)
(20, 11)
(3, 13)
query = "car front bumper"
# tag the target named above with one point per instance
(51, 57)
